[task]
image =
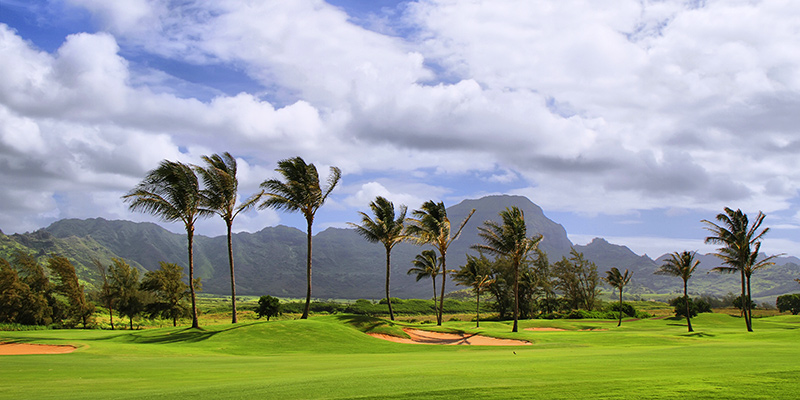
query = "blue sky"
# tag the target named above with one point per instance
(628, 120)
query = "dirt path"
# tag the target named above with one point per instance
(426, 337)
(15, 349)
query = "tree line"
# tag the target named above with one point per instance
(522, 284)
(28, 295)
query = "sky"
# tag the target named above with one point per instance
(627, 120)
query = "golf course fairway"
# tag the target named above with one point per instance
(332, 357)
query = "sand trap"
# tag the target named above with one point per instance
(15, 349)
(426, 337)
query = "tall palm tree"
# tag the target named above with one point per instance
(618, 281)
(430, 225)
(681, 265)
(509, 240)
(478, 275)
(426, 265)
(172, 192)
(221, 191)
(740, 243)
(386, 228)
(300, 191)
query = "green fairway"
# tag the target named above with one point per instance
(328, 357)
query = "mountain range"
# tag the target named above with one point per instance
(272, 260)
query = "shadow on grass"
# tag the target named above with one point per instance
(187, 335)
(363, 323)
(698, 334)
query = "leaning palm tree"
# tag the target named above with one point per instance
(477, 274)
(740, 243)
(681, 265)
(222, 190)
(426, 265)
(386, 228)
(618, 281)
(300, 191)
(509, 240)
(430, 225)
(172, 192)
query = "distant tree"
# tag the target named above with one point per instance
(167, 286)
(695, 306)
(618, 281)
(742, 306)
(426, 265)
(577, 280)
(478, 275)
(740, 244)
(76, 308)
(430, 225)
(13, 294)
(104, 292)
(124, 289)
(300, 191)
(789, 302)
(509, 240)
(172, 192)
(386, 228)
(222, 191)
(683, 266)
(546, 283)
(42, 305)
(268, 306)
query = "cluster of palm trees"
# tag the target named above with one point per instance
(173, 192)
(740, 245)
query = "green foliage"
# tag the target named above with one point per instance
(789, 302)
(627, 309)
(268, 306)
(738, 303)
(577, 280)
(169, 291)
(123, 282)
(696, 306)
(75, 309)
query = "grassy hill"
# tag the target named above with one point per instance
(330, 358)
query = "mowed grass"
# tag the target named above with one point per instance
(330, 357)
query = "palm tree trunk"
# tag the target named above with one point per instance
(190, 235)
(478, 309)
(441, 299)
(131, 319)
(388, 272)
(233, 279)
(744, 307)
(111, 315)
(433, 279)
(749, 309)
(308, 270)
(620, 307)
(686, 300)
(516, 296)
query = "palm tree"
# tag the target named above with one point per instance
(509, 240)
(740, 244)
(301, 191)
(618, 280)
(430, 225)
(386, 228)
(681, 265)
(172, 192)
(221, 190)
(426, 265)
(477, 274)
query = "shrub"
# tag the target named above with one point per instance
(627, 309)
(268, 306)
(696, 306)
(789, 302)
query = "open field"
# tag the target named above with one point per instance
(331, 357)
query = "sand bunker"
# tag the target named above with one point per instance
(426, 337)
(14, 349)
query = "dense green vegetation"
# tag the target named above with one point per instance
(330, 357)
